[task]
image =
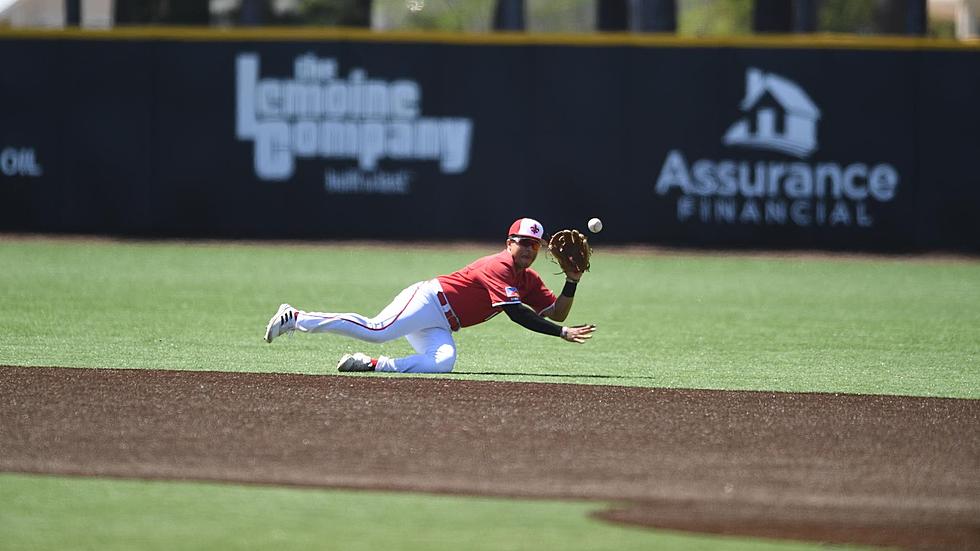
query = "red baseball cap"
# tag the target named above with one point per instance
(526, 227)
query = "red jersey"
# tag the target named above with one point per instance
(477, 292)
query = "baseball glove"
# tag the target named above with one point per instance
(571, 250)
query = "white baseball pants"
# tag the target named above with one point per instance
(414, 314)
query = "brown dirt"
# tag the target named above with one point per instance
(880, 470)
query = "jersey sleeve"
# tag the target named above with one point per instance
(498, 279)
(537, 295)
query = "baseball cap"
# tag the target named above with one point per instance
(526, 227)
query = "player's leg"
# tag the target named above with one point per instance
(435, 353)
(411, 311)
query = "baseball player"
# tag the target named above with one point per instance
(428, 312)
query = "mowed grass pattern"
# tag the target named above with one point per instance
(41, 512)
(854, 325)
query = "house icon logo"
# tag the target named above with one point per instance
(780, 116)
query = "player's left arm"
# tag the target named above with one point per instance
(563, 304)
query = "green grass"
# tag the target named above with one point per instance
(876, 325)
(887, 326)
(40, 512)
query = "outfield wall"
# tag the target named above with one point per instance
(345, 134)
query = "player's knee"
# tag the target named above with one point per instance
(444, 358)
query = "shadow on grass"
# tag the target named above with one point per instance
(554, 375)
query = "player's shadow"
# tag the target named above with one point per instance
(551, 375)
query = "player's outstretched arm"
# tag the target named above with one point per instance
(525, 317)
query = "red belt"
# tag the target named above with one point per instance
(451, 317)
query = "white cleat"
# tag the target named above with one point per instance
(283, 322)
(355, 362)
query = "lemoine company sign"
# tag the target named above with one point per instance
(350, 123)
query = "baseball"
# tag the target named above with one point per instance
(595, 225)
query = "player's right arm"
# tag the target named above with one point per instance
(525, 317)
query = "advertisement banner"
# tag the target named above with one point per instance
(771, 147)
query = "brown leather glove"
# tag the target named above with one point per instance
(571, 250)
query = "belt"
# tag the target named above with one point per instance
(451, 316)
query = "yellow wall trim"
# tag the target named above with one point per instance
(290, 34)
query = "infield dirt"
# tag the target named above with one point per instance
(880, 470)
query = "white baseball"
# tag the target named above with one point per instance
(595, 225)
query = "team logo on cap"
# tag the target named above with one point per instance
(526, 226)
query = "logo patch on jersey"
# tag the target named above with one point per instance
(511, 292)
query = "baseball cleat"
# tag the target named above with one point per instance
(283, 322)
(355, 362)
